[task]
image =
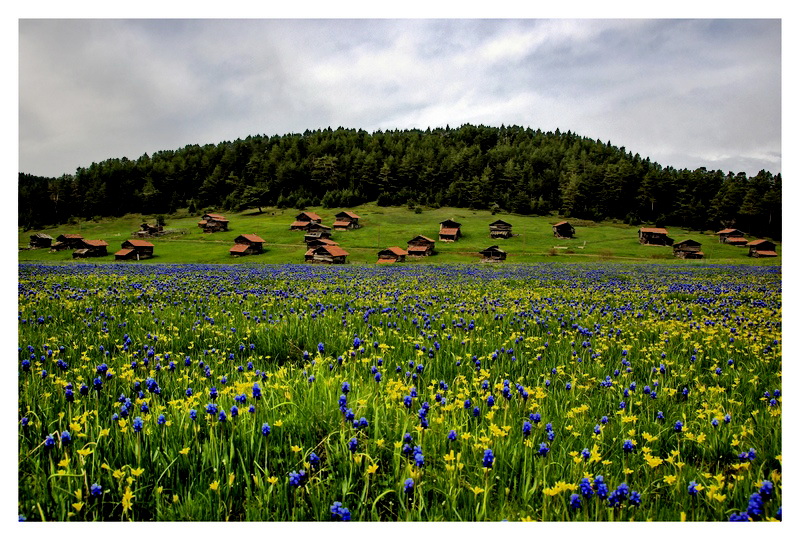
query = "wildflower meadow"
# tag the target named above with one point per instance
(544, 392)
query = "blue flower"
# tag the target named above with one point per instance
(575, 501)
(755, 506)
(635, 498)
(352, 444)
(256, 391)
(488, 458)
(543, 449)
(692, 488)
(628, 446)
(526, 428)
(585, 486)
(313, 460)
(600, 487)
(161, 420)
(66, 438)
(585, 454)
(193, 414)
(345, 387)
(265, 429)
(96, 490)
(452, 435)
(739, 517)
(766, 490)
(339, 512)
(678, 426)
(137, 424)
(297, 479)
(49, 442)
(408, 486)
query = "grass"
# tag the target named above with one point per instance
(393, 226)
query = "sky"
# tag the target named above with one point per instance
(686, 93)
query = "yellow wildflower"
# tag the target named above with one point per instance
(214, 485)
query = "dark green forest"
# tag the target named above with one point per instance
(513, 169)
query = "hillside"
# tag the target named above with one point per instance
(509, 169)
(390, 226)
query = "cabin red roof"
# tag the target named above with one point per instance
(654, 230)
(758, 242)
(310, 215)
(336, 251)
(736, 240)
(239, 248)
(341, 223)
(139, 243)
(448, 231)
(767, 253)
(560, 223)
(124, 252)
(72, 236)
(417, 248)
(299, 223)
(251, 238)
(216, 217)
(326, 241)
(422, 237)
(349, 214)
(726, 231)
(96, 243)
(386, 261)
(396, 250)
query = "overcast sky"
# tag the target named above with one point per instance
(686, 93)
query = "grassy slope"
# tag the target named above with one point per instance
(393, 226)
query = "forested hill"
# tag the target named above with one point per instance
(517, 169)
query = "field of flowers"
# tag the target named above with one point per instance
(421, 393)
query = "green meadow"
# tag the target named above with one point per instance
(391, 226)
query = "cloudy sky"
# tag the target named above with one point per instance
(685, 92)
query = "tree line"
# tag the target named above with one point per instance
(511, 169)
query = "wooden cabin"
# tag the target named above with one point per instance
(346, 220)
(736, 241)
(316, 242)
(391, 255)
(654, 236)
(303, 220)
(315, 231)
(247, 244)
(134, 250)
(91, 248)
(761, 248)
(147, 230)
(67, 241)
(211, 223)
(327, 255)
(449, 230)
(420, 246)
(727, 234)
(563, 229)
(40, 240)
(688, 249)
(500, 229)
(492, 254)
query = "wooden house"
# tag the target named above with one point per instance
(420, 246)
(761, 248)
(134, 250)
(688, 249)
(563, 229)
(346, 220)
(391, 255)
(91, 248)
(736, 241)
(500, 229)
(40, 240)
(492, 254)
(303, 220)
(147, 230)
(247, 244)
(316, 242)
(654, 236)
(67, 241)
(211, 223)
(449, 230)
(315, 231)
(327, 255)
(726, 234)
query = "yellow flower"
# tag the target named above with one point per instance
(670, 479)
(296, 448)
(272, 480)
(278, 423)
(77, 506)
(231, 478)
(478, 490)
(137, 472)
(85, 451)
(214, 485)
(372, 468)
(184, 451)
(64, 462)
(78, 493)
(127, 500)
(104, 432)
(175, 498)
